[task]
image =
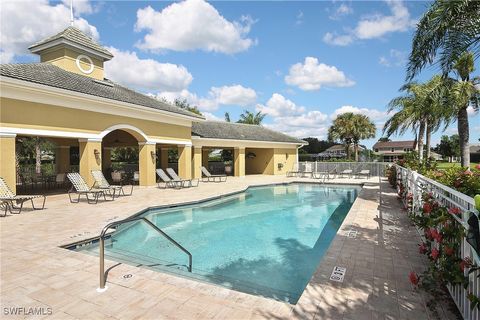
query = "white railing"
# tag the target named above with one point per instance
(417, 184)
(376, 168)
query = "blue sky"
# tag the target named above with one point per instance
(302, 63)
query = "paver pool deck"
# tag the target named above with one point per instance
(35, 272)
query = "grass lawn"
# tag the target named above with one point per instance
(446, 165)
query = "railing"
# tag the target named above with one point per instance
(120, 222)
(416, 184)
(376, 168)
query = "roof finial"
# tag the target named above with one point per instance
(71, 13)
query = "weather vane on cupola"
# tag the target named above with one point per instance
(71, 13)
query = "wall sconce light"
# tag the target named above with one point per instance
(280, 166)
(96, 153)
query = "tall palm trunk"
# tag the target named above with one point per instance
(38, 157)
(429, 140)
(355, 147)
(421, 135)
(464, 135)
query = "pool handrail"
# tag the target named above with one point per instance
(120, 222)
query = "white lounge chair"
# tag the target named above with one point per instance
(347, 172)
(212, 177)
(294, 172)
(169, 183)
(14, 203)
(102, 183)
(364, 172)
(80, 187)
(185, 182)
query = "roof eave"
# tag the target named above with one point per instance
(37, 48)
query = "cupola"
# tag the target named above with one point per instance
(74, 51)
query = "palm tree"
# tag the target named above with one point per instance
(447, 29)
(363, 128)
(248, 117)
(464, 92)
(351, 128)
(422, 109)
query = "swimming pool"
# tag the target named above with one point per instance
(266, 241)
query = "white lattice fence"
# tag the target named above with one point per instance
(417, 184)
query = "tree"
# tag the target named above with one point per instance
(449, 147)
(447, 30)
(316, 146)
(422, 108)
(183, 104)
(351, 128)
(227, 117)
(384, 139)
(464, 92)
(248, 117)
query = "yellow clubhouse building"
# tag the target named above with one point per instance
(67, 99)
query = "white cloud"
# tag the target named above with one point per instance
(212, 117)
(396, 58)
(127, 68)
(299, 18)
(378, 117)
(341, 11)
(191, 25)
(312, 75)
(278, 106)
(82, 7)
(309, 124)
(233, 95)
(338, 40)
(471, 112)
(375, 26)
(25, 22)
(217, 96)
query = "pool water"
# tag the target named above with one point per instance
(266, 241)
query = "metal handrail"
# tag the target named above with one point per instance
(120, 222)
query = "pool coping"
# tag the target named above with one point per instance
(229, 194)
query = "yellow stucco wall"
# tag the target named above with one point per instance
(66, 59)
(239, 162)
(89, 161)
(7, 161)
(287, 157)
(21, 114)
(197, 162)
(261, 164)
(146, 164)
(185, 162)
(62, 159)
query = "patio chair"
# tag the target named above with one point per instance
(347, 172)
(102, 183)
(307, 171)
(169, 183)
(188, 182)
(364, 172)
(294, 172)
(212, 177)
(80, 187)
(15, 203)
(60, 180)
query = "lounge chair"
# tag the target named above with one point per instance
(212, 177)
(185, 182)
(347, 172)
(169, 183)
(294, 172)
(80, 187)
(364, 172)
(14, 203)
(308, 171)
(102, 183)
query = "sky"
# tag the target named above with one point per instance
(301, 63)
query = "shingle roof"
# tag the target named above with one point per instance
(53, 76)
(394, 144)
(237, 131)
(475, 148)
(74, 35)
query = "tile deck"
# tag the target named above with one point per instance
(35, 272)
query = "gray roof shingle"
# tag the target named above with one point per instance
(237, 131)
(394, 144)
(53, 76)
(74, 35)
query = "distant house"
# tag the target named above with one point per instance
(475, 152)
(337, 151)
(391, 151)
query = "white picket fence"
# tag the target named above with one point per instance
(417, 184)
(376, 168)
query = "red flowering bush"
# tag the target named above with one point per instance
(464, 181)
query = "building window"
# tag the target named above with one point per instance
(393, 149)
(376, 150)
